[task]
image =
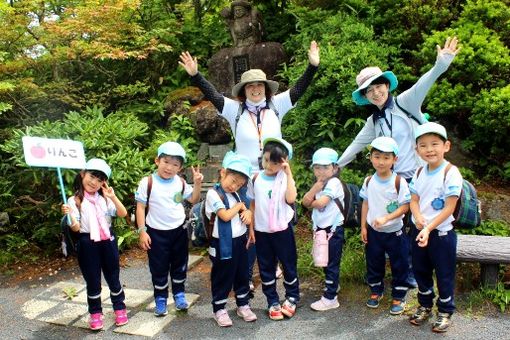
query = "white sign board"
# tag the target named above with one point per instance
(53, 153)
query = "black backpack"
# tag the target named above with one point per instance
(69, 238)
(351, 206)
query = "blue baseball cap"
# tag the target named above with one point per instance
(324, 156)
(237, 162)
(430, 127)
(172, 149)
(385, 144)
(99, 165)
(281, 141)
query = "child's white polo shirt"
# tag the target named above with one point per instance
(213, 203)
(262, 190)
(88, 211)
(433, 188)
(382, 198)
(247, 135)
(330, 215)
(166, 211)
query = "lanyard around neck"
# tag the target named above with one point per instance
(258, 124)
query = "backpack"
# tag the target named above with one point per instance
(351, 206)
(467, 213)
(69, 238)
(240, 111)
(415, 121)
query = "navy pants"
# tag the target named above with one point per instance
(230, 274)
(439, 256)
(271, 248)
(332, 271)
(394, 244)
(94, 257)
(168, 255)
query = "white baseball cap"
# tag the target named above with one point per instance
(98, 165)
(430, 127)
(385, 144)
(237, 162)
(324, 156)
(172, 149)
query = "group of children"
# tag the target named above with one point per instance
(266, 216)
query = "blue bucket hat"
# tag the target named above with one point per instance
(237, 162)
(99, 165)
(324, 156)
(385, 144)
(281, 141)
(172, 149)
(430, 127)
(366, 77)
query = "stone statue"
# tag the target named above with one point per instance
(244, 22)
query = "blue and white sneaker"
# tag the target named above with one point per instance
(180, 301)
(161, 309)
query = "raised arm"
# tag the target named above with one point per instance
(190, 64)
(304, 81)
(362, 139)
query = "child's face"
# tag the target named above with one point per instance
(91, 183)
(271, 168)
(323, 172)
(431, 148)
(382, 161)
(377, 94)
(231, 182)
(168, 166)
(255, 91)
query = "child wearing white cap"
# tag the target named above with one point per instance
(161, 229)
(435, 189)
(225, 206)
(91, 209)
(325, 198)
(385, 201)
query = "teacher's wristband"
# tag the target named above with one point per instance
(139, 230)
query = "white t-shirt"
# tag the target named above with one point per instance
(262, 189)
(166, 211)
(213, 203)
(246, 136)
(330, 215)
(88, 211)
(433, 188)
(382, 195)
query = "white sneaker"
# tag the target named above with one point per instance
(222, 318)
(325, 304)
(246, 313)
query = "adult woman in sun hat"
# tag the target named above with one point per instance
(262, 109)
(389, 117)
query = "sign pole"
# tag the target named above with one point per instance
(63, 192)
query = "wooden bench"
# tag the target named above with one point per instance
(489, 251)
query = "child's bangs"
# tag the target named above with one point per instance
(99, 174)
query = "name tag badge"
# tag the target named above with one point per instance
(212, 251)
(178, 197)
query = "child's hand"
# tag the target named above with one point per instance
(450, 47)
(286, 167)
(145, 240)
(108, 191)
(66, 209)
(251, 238)
(364, 233)
(420, 222)
(197, 176)
(313, 54)
(189, 63)
(319, 185)
(380, 221)
(246, 216)
(423, 237)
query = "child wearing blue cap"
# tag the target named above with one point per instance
(160, 217)
(273, 193)
(325, 198)
(435, 189)
(230, 240)
(385, 201)
(91, 209)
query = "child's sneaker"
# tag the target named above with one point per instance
(373, 300)
(96, 321)
(397, 307)
(246, 313)
(420, 316)
(121, 317)
(180, 301)
(275, 312)
(289, 308)
(325, 304)
(161, 308)
(222, 318)
(444, 320)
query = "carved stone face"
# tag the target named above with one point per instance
(239, 12)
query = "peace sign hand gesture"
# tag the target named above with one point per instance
(108, 191)
(189, 63)
(197, 176)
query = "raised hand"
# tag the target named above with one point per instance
(108, 191)
(189, 63)
(450, 47)
(286, 168)
(313, 54)
(197, 176)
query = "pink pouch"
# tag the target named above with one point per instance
(320, 249)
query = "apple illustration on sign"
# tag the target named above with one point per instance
(38, 151)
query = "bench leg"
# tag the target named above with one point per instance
(489, 275)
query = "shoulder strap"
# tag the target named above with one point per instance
(448, 167)
(271, 105)
(239, 113)
(409, 115)
(397, 183)
(368, 180)
(183, 185)
(418, 172)
(149, 189)
(255, 175)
